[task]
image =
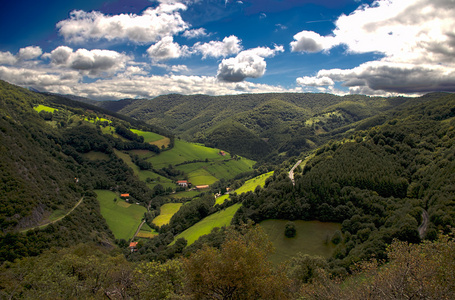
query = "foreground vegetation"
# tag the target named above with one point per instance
(239, 269)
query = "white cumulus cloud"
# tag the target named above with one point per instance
(415, 38)
(89, 62)
(148, 27)
(166, 49)
(7, 58)
(248, 63)
(315, 81)
(228, 46)
(30, 52)
(195, 33)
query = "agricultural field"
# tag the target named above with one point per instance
(45, 108)
(148, 136)
(167, 211)
(205, 226)
(144, 174)
(146, 232)
(313, 238)
(248, 186)
(185, 194)
(200, 173)
(122, 218)
(184, 151)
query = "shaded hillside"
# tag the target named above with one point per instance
(289, 123)
(45, 170)
(377, 183)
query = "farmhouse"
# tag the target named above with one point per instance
(133, 246)
(182, 183)
(124, 195)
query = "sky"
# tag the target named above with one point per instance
(116, 49)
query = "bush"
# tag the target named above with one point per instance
(290, 230)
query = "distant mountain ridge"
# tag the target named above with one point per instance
(287, 122)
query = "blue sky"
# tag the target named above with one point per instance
(140, 49)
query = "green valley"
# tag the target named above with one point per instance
(374, 191)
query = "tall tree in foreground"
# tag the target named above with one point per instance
(238, 270)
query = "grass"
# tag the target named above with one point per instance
(218, 169)
(248, 186)
(184, 151)
(205, 226)
(122, 220)
(201, 177)
(148, 136)
(163, 142)
(144, 174)
(147, 232)
(56, 214)
(45, 108)
(313, 238)
(186, 194)
(167, 211)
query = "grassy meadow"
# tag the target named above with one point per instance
(148, 136)
(248, 186)
(144, 174)
(205, 226)
(167, 211)
(313, 238)
(184, 151)
(122, 218)
(45, 108)
(147, 232)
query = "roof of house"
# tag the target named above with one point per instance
(182, 181)
(202, 186)
(124, 195)
(133, 244)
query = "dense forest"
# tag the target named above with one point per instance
(383, 168)
(259, 126)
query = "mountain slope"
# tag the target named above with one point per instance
(287, 122)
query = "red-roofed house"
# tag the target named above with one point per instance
(183, 183)
(124, 195)
(133, 246)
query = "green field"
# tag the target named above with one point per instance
(186, 194)
(313, 238)
(122, 218)
(148, 136)
(45, 108)
(248, 186)
(215, 170)
(205, 226)
(144, 174)
(184, 151)
(167, 211)
(146, 232)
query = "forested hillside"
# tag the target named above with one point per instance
(46, 171)
(273, 123)
(382, 169)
